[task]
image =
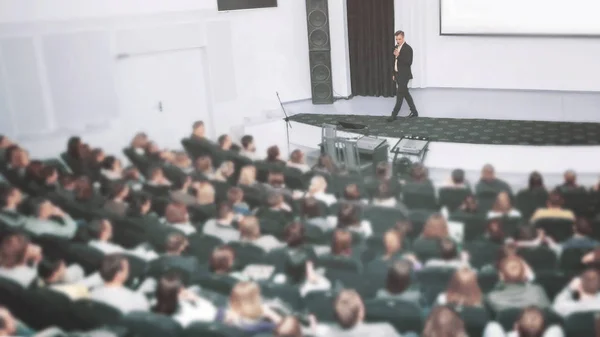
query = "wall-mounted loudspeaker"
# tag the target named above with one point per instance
(319, 47)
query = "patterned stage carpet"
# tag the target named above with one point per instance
(478, 131)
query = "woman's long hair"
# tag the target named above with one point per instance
(167, 293)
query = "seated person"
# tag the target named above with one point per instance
(222, 262)
(179, 191)
(514, 290)
(184, 306)
(383, 196)
(348, 217)
(299, 271)
(101, 231)
(54, 274)
(235, 196)
(582, 232)
(350, 316)
(449, 256)
(443, 321)
(117, 194)
(531, 322)
(582, 294)
(297, 161)
(18, 259)
(177, 216)
(246, 310)
(115, 272)
(463, 290)
(250, 232)
(175, 245)
(157, 177)
(51, 220)
(554, 209)
(223, 226)
(317, 190)
(10, 199)
(398, 284)
(503, 208)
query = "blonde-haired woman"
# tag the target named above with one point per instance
(246, 310)
(503, 208)
(317, 190)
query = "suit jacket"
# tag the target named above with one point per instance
(404, 62)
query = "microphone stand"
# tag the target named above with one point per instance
(288, 125)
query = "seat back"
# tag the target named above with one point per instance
(558, 229)
(434, 281)
(452, 198)
(212, 329)
(581, 324)
(404, 316)
(148, 324)
(88, 314)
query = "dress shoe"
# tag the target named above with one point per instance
(413, 114)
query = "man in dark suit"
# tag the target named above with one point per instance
(403, 54)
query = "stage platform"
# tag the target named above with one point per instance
(475, 131)
(516, 151)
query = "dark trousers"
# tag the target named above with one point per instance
(401, 94)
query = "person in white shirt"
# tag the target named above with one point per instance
(249, 148)
(51, 220)
(183, 305)
(102, 232)
(349, 218)
(16, 255)
(177, 216)
(114, 272)
(503, 207)
(582, 294)
(317, 188)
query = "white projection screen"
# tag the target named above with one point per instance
(520, 17)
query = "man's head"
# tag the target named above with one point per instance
(399, 37)
(349, 309)
(198, 129)
(248, 143)
(590, 282)
(101, 229)
(488, 173)
(52, 271)
(114, 269)
(530, 323)
(225, 142)
(512, 270)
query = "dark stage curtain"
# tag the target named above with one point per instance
(371, 42)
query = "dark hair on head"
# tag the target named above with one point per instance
(167, 293)
(116, 189)
(109, 162)
(13, 249)
(536, 180)
(74, 147)
(222, 260)
(294, 234)
(555, 199)
(96, 227)
(444, 321)
(531, 322)
(138, 201)
(399, 32)
(47, 267)
(296, 156)
(246, 141)
(583, 226)
(222, 138)
(383, 191)
(2, 137)
(235, 148)
(47, 172)
(197, 124)
(84, 190)
(9, 152)
(273, 153)
(234, 195)
(310, 208)
(458, 176)
(348, 215)
(112, 264)
(398, 277)
(295, 265)
(224, 209)
(448, 249)
(494, 231)
(33, 171)
(179, 182)
(6, 191)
